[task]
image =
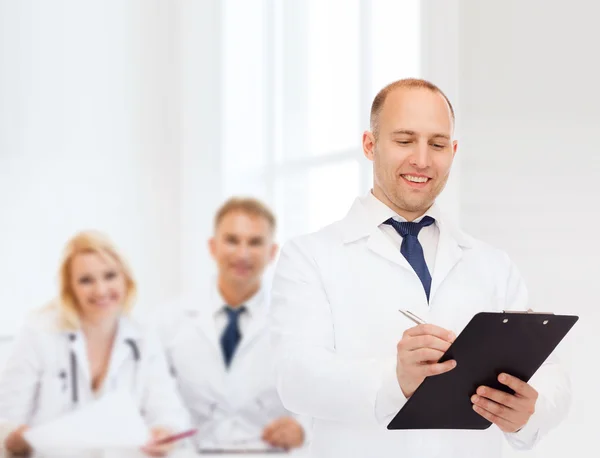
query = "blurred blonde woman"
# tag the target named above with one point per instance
(83, 346)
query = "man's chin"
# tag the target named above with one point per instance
(420, 206)
(242, 277)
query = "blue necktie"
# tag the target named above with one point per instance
(231, 335)
(411, 247)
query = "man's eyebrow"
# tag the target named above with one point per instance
(445, 136)
(412, 132)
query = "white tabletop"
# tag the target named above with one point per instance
(191, 454)
(175, 454)
(293, 454)
(300, 453)
(239, 455)
(181, 453)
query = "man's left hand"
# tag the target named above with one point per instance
(510, 412)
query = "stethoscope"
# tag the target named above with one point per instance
(135, 351)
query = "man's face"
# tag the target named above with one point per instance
(242, 247)
(413, 151)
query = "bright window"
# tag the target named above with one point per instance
(299, 80)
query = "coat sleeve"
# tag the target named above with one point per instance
(550, 381)
(19, 382)
(312, 379)
(21, 376)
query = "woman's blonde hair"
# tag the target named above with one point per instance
(89, 242)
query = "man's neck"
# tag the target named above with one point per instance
(406, 214)
(237, 294)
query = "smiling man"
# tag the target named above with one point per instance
(345, 355)
(218, 345)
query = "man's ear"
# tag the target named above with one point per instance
(368, 143)
(274, 251)
(212, 247)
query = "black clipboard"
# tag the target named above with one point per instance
(516, 343)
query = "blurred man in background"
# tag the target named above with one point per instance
(218, 344)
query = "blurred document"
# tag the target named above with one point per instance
(113, 421)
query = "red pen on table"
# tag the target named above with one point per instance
(175, 437)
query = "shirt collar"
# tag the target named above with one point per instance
(368, 213)
(251, 304)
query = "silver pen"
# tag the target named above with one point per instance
(411, 316)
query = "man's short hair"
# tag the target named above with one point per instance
(247, 205)
(408, 83)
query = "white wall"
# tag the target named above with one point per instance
(85, 142)
(440, 64)
(530, 111)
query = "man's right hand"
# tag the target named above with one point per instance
(16, 444)
(419, 351)
(285, 432)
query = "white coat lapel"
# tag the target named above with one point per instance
(449, 252)
(257, 307)
(256, 328)
(126, 344)
(200, 308)
(358, 224)
(207, 327)
(381, 245)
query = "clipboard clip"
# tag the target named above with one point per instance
(527, 312)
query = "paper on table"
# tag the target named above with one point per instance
(113, 421)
